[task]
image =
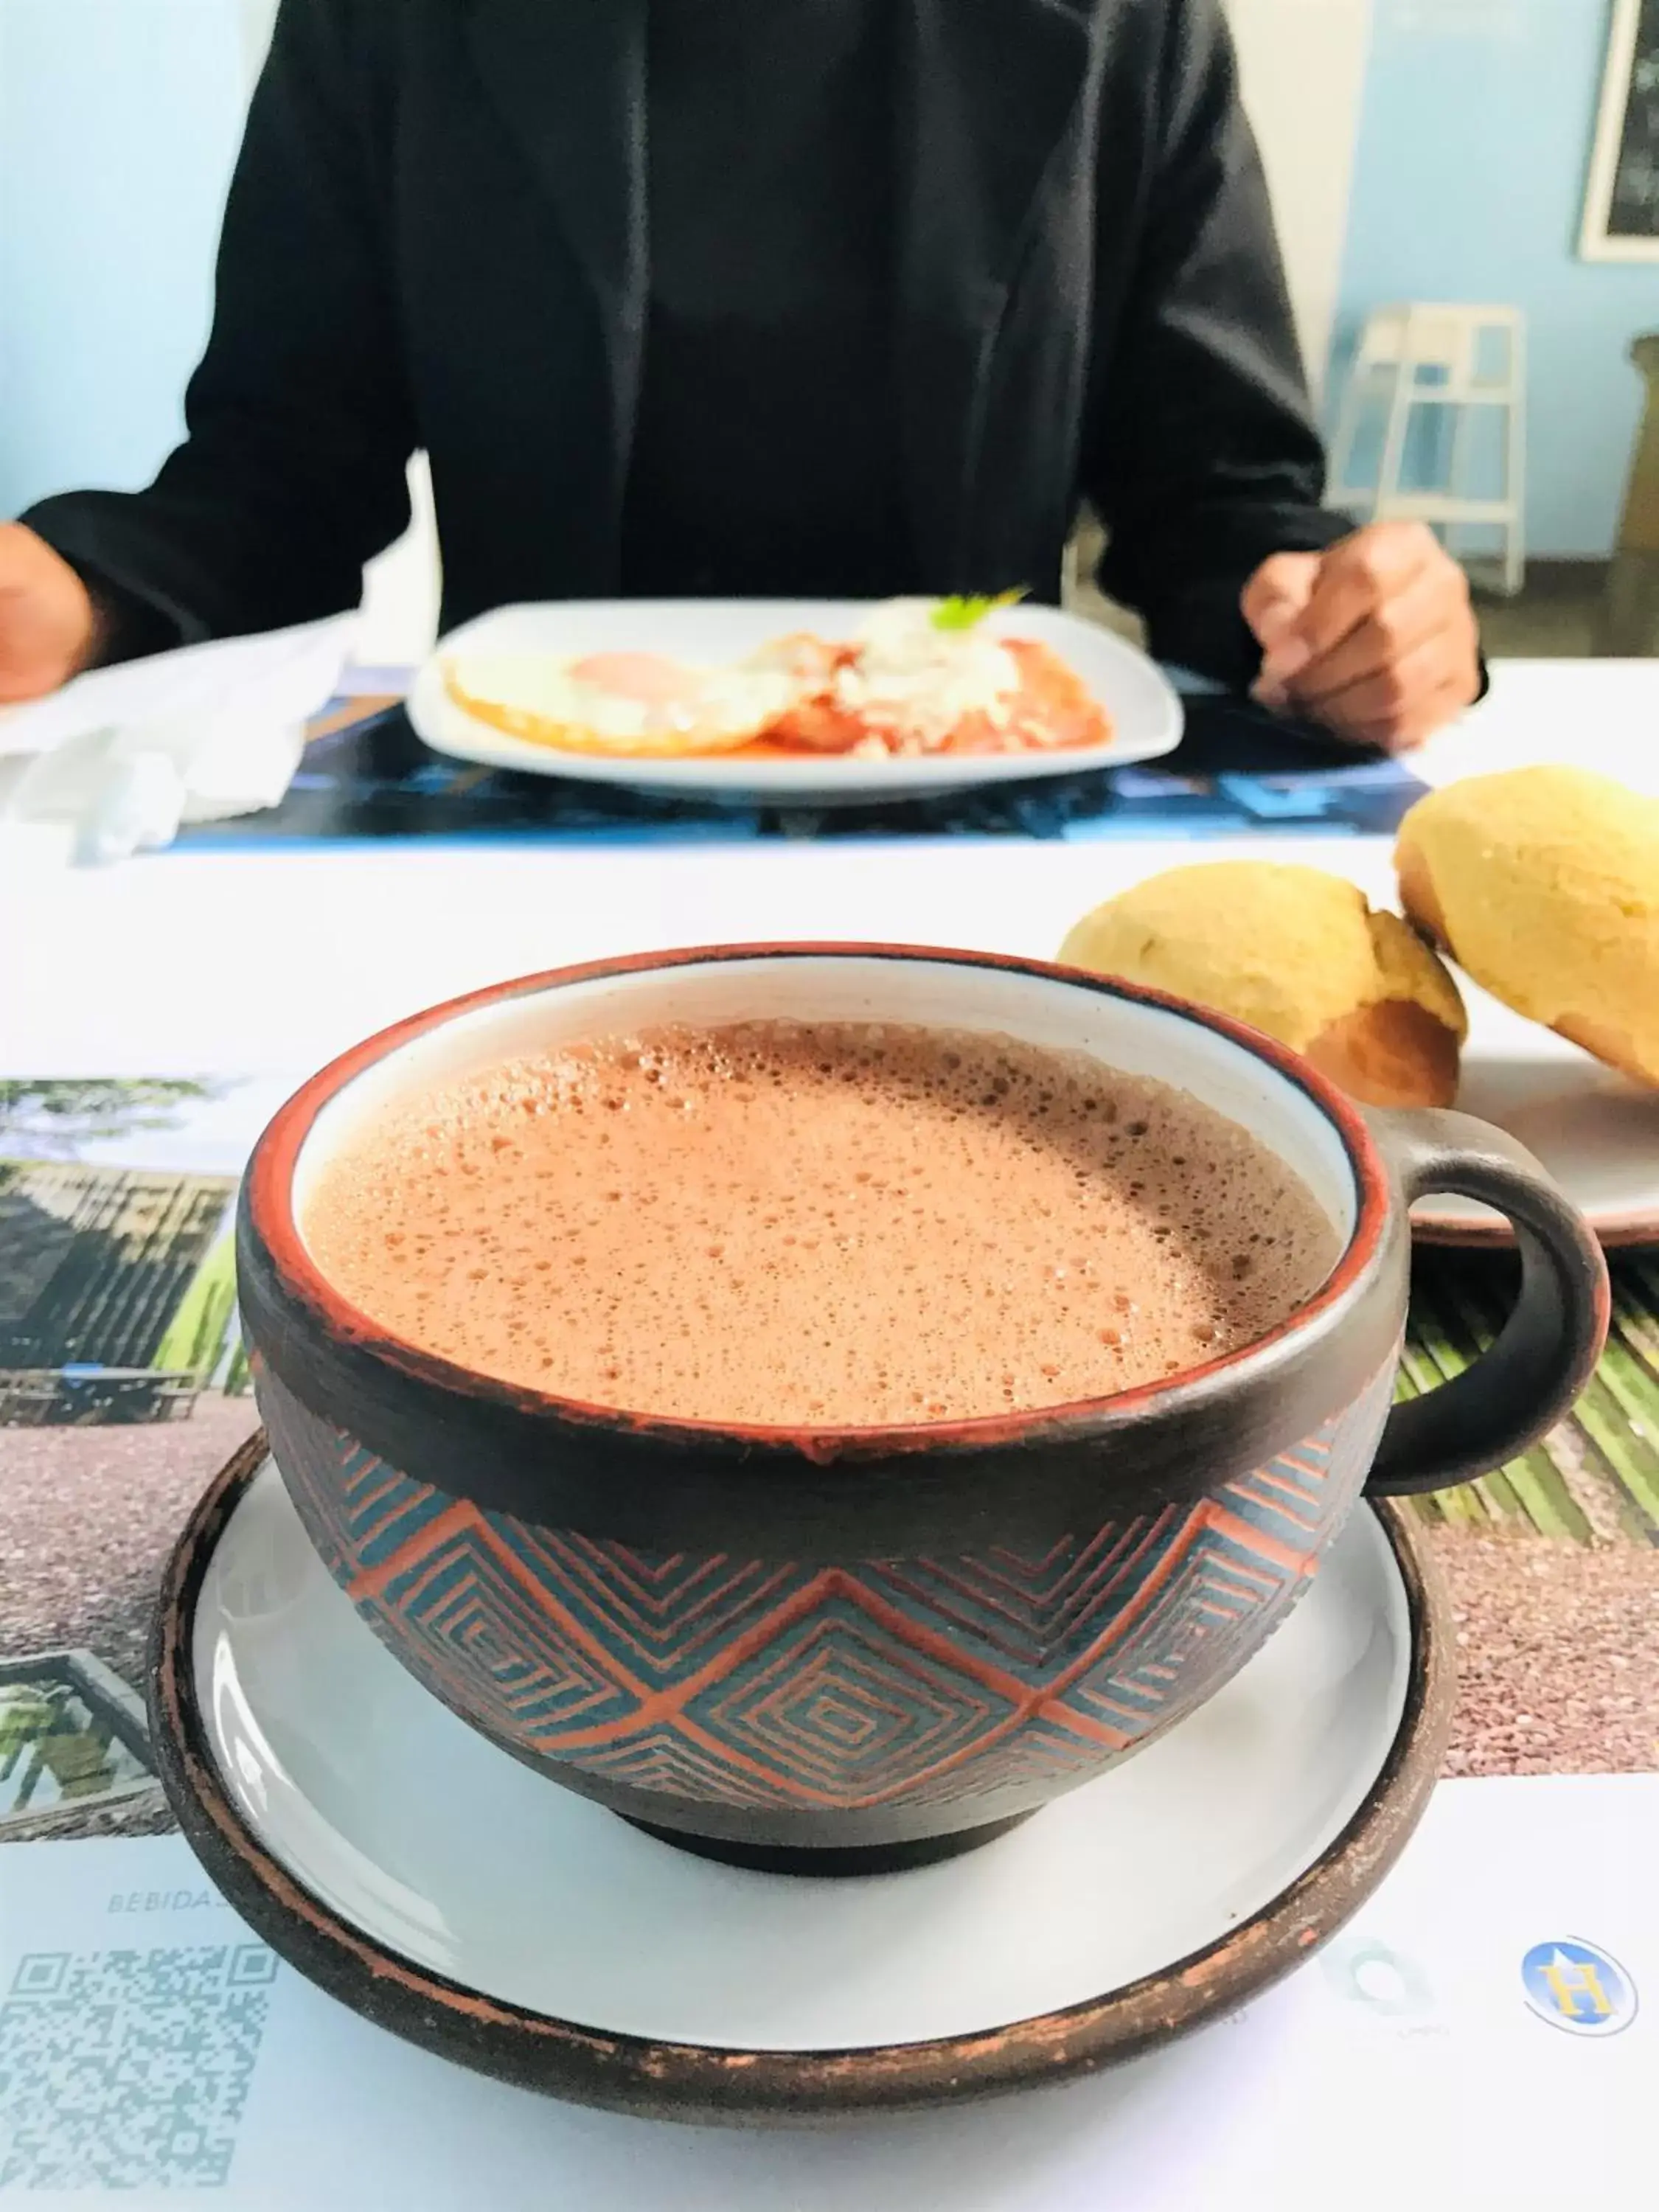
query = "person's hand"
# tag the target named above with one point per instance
(1374, 637)
(48, 624)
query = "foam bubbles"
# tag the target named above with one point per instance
(837, 1223)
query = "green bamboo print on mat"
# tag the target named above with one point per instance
(1595, 1477)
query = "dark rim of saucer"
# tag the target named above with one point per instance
(689, 2081)
(1613, 1231)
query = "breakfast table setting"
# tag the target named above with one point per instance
(418, 1783)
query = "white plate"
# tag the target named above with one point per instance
(1145, 709)
(448, 1852)
(1594, 1130)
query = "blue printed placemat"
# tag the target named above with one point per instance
(367, 777)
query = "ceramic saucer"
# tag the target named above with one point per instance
(435, 1884)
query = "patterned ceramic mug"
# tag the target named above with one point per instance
(822, 1649)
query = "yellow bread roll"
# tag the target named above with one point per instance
(1299, 954)
(1543, 884)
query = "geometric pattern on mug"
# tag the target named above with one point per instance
(927, 1681)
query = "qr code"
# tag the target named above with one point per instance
(123, 2069)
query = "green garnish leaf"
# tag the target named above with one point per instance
(966, 614)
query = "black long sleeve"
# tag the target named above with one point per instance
(1201, 455)
(300, 426)
(396, 226)
(127, 626)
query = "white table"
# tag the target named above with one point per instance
(270, 960)
(269, 955)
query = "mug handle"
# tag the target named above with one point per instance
(1545, 1350)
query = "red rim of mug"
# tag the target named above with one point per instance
(270, 1209)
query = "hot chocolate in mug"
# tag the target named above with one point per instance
(839, 1649)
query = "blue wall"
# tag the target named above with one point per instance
(1468, 184)
(119, 124)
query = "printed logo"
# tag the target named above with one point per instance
(1388, 1986)
(1577, 1987)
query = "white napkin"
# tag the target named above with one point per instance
(118, 759)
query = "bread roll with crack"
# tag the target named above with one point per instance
(1543, 883)
(1299, 954)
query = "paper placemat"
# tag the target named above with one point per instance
(366, 776)
(124, 1388)
(150, 2043)
(1483, 2034)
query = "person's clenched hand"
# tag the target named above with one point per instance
(1374, 637)
(48, 625)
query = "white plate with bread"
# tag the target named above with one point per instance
(1542, 885)
(1594, 1129)
(1541, 889)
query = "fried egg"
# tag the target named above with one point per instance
(920, 681)
(635, 705)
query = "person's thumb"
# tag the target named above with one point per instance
(1277, 593)
(47, 621)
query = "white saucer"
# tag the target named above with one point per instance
(413, 1833)
(1145, 712)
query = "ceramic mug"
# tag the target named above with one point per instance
(843, 1649)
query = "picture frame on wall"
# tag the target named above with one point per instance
(1621, 201)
